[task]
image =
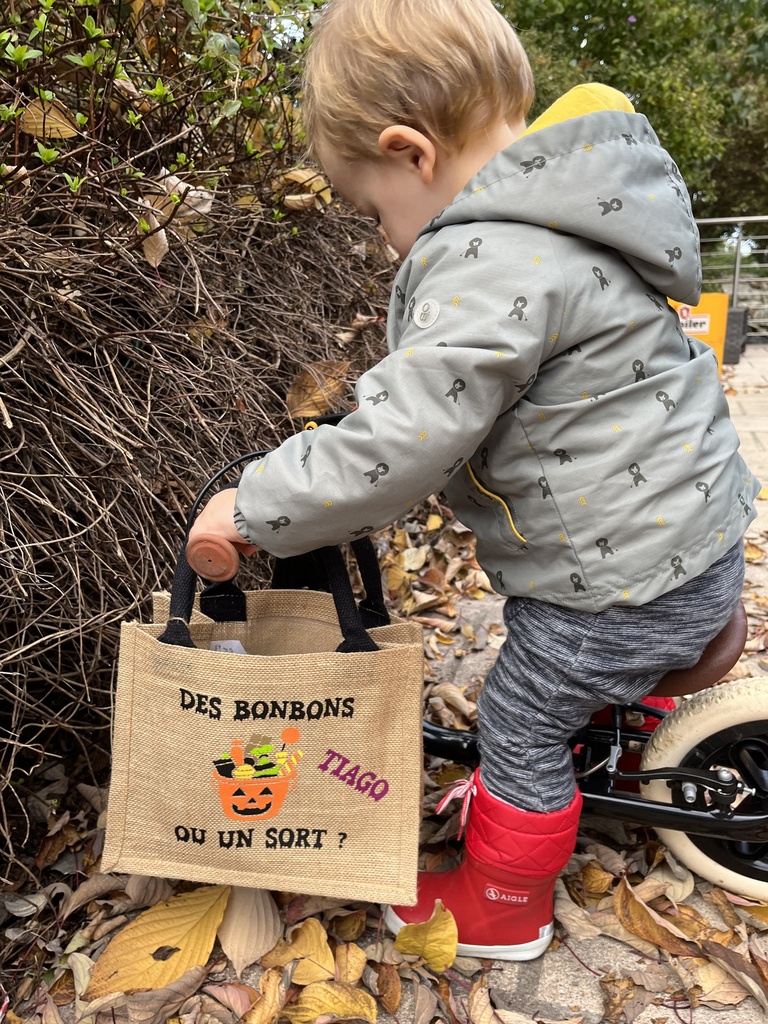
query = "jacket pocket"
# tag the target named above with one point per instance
(496, 497)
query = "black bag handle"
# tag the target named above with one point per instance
(356, 639)
(309, 570)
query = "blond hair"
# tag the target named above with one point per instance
(444, 67)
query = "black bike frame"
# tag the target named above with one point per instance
(598, 787)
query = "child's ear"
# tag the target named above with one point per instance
(415, 149)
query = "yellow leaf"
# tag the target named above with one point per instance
(309, 946)
(350, 963)
(348, 927)
(137, 10)
(256, 134)
(395, 578)
(331, 1001)
(450, 773)
(753, 553)
(312, 180)
(758, 910)
(317, 389)
(186, 924)
(435, 940)
(268, 1007)
(434, 521)
(763, 494)
(595, 879)
(48, 119)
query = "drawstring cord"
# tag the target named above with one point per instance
(463, 790)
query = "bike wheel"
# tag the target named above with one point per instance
(725, 726)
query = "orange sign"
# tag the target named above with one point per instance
(706, 321)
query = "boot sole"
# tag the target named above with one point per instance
(522, 951)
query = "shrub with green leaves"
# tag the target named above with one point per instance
(209, 85)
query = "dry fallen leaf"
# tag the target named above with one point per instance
(455, 699)
(317, 389)
(350, 962)
(182, 199)
(425, 1004)
(740, 968)
(317, 189)
(250, 927)
(575, 919)
(186, 924)
(308, 945)
(330, 1001)
(384, 952)
(158, 1004)
(716, 988)
(92, 888)
(616, 993)
(595, 878)
(48, 119)
(348, 927)
(301, 906)
(14, 174)
(299, 201)
(236, 997)
(482, 1012)
(268, 1007)
(389, 987)
(608, 924)
(446, 1000)
(640, 919)
(155, 244)
(145, 891)
(753, 553)
(435, 940)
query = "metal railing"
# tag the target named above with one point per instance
(736, 262)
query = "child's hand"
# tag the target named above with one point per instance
(216, 523)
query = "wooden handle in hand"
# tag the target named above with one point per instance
(212, 557)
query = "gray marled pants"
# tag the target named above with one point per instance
(558, 666)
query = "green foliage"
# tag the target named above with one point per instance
(46, 154)
(696, 69)
(216, 79)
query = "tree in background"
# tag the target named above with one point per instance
(698, 70)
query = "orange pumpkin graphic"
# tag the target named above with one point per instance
(249, 799)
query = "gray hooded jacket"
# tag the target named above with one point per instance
(537, 376)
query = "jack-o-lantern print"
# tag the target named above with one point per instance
(253, 785)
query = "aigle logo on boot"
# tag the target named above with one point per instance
(506, 895)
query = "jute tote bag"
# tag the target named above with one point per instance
(293, 766)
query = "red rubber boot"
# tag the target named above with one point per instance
(501, 894)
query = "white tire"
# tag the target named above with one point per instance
(692, 735)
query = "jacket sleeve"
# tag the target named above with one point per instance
(467, 334)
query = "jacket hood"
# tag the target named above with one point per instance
(603, 177)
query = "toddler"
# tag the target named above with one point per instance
(538, 377)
